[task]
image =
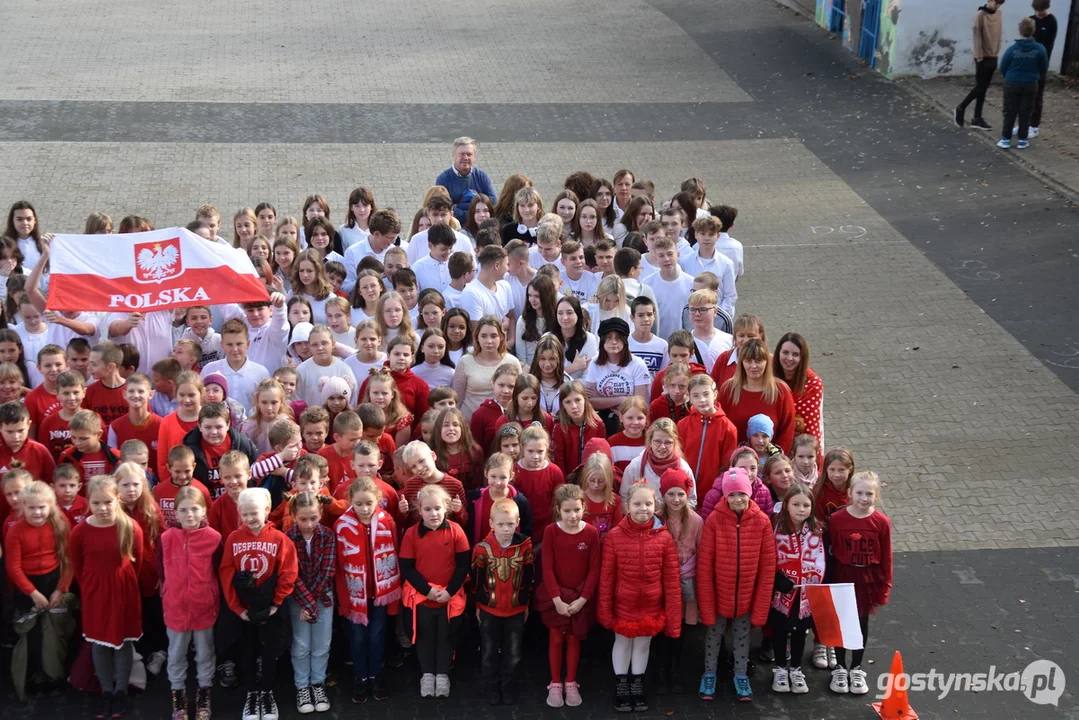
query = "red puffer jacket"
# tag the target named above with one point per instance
(736, 565)
(640, 589)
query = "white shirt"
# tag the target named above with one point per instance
(358, 315)
(452, 296)
(161, 405)
(724, 269)
(536, 260)
(418, 247)
(353, 255)
(242, 382)
(309, 373)
(32, 342)
(152, 337)
(269, 342)
(613, 380)
(733, 250)
(652, 352)
(61, 334)
(347, 338)
(590, 348)
(525, 350)
(710, 351)
(431, 273)
(437, 375)
(361, 370)
(672, 296)
(352, 235)
(519, 293)
(318, 308)
(584, 287)
(477, 300)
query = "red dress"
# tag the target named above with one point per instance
(862, 552)
(538, 486)
(574, 575)
(111, 604)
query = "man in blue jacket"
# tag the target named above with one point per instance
(463, 180)
(1022, 66)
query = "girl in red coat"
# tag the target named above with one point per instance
(640, 593)
(106, 555)
(577, 424)
(860, 542)
(190, 596)
(565, 599)
(138, 502)
(736, 565)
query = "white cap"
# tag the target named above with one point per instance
(301, 333)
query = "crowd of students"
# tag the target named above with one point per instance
(419, 437)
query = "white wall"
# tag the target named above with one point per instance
(933, 37)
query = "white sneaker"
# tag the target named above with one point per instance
(427, 685)
(156, 662)
(780, 681)
(820, 656)
(1032, 132)
(839, 681)
(269, 706)
(831, 659)
(442, 685)
(798, 681)
(858, 684)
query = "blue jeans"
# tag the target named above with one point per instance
(367, 643)
(310, 645)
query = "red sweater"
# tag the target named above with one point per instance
(566, 444)
(707, 444)
(467, 466)
(340, 467)
(829, 500)
(722, 371)
(753, 403)
(108, 402)
(30, 550)
(602, 516)
(862, 542)
(263, 554)
(484, 423)
(664, 407)
(657, 382)
(223, 516)
(575, 561)
(101, 462)
(624, 449)
(450, 484)
(170, 434)
(539, 486)
(414, 392)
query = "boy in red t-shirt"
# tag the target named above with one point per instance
(42, 400)
(224, 515)
(347, 431)
(314, 427)
(87, 453)
(54, 432)
(209, 442)
(106, 396)
(67, 483)
(374, 430)
(139, 423)
(181, 464)
(19, 451)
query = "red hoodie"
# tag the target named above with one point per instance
(707, 444)
(263, 554)
(414, 392)
(657, 383)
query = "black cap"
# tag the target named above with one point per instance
(615, 324)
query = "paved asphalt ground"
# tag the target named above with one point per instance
(935, 280)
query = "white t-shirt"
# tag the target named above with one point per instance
(347, 338)
(353, 255)
(614, 380)
(31, 342)
(584, 288)
(653, 353)
(452, 296)
(733, 250)
(723, 268)
(361, 370)
(671, 298)
(438, 375)
(309, 373)
(519, 293)
(358, 315)
(710, 351)
(152, 337)
(418, 246)
(536, 260)
(61, 335)
(590, 348)
(478, 301)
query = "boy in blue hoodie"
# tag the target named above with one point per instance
(1022, 66)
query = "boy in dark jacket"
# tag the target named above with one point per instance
(210, 440)
(502, 570)
(1022, 66)
(986, 38)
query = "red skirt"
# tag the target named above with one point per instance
(870, 589)
(577, 625)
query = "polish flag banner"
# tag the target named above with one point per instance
(147, 271)
(835, 615)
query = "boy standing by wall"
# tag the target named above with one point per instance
(987, 22)
(1023, 64)
(1045, 32)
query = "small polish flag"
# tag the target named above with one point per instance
(155, 270)
(835, 615)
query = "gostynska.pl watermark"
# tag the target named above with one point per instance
(1042, 682)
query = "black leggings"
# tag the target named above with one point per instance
(436, 638)
(154, 637)
(784, 627)
(856, 655)
(261, 640)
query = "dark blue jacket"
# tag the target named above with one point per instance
(1024, 62)
(463, 189)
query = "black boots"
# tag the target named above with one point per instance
(636, 693)
(622, 700)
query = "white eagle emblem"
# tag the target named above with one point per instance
(157, 261)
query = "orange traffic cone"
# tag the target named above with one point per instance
(895, 705)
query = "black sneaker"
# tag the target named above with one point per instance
(957, 116)
(980, 124)
(378, 688)
(226, 672)
(320, 698)
(359, 691)
(395, 658)
(269, 706)
(766, 653)
(253, 706)
(105, 711)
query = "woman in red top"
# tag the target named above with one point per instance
(106, 557)
(860, 542)
(577, 424)
(138, 502)
(746, 327)
(754, 390)
(39, 567)
(565, 598)
(790, 363)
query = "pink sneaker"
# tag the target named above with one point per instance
(554, 695)
(573, 694)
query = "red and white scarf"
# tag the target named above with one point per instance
(354, 554)
(799, 556)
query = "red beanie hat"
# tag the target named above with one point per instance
(674, 478)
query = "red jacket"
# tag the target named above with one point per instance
(707, 444)
(189, 589)
(566, 444)
(736, 565)
(640, 587)
(414, 392)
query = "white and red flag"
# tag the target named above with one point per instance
(156, 270)
(835, 615)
